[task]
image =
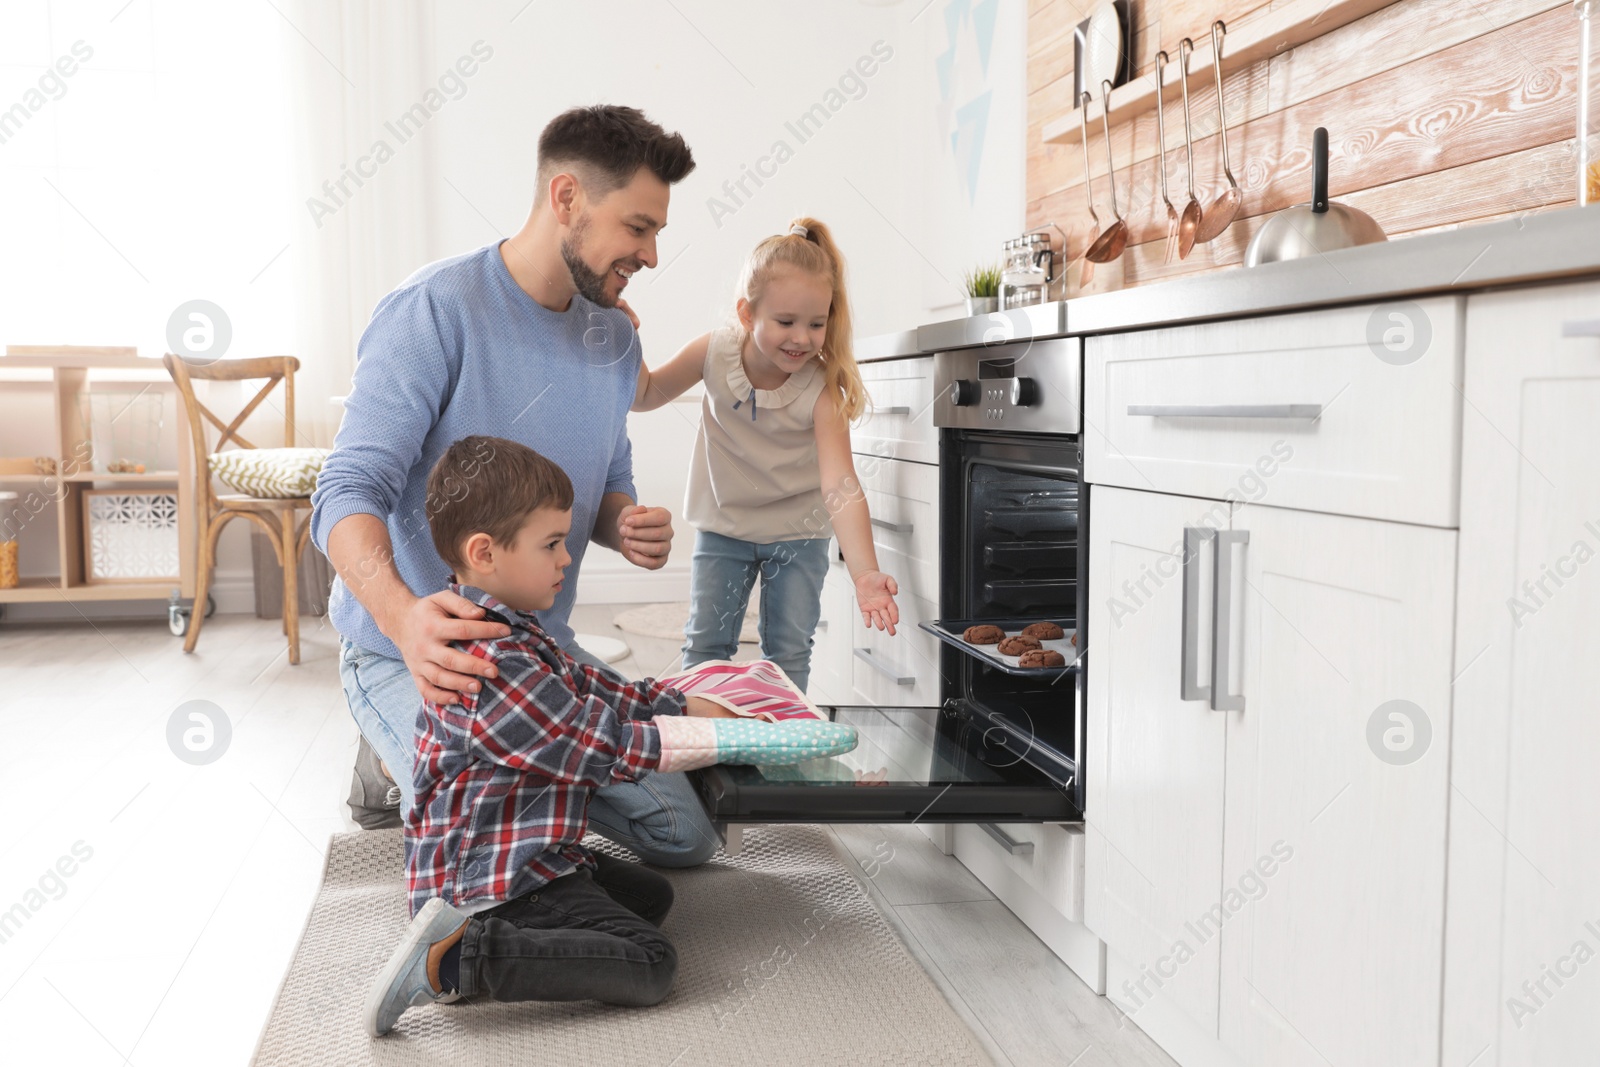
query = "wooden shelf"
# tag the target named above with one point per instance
(50, 590)
(1248, 40)
(148, 477)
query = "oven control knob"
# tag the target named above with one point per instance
(963, 392)
(1023, 392)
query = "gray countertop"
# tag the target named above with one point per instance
(1551, 245)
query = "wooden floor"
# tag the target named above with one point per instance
(149, 906)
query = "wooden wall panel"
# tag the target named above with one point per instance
(1439, 112)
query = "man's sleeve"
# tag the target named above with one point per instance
(531, 719)
(402, 381)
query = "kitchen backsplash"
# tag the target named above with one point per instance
(1439, 112)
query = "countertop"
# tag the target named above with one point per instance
(1543, 247)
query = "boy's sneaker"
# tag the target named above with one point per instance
(374, 798)
(404, 980)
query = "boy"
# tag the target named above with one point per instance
(507, 903)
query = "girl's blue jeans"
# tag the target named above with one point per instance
(721, 574)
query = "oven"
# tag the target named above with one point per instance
(1004, 743)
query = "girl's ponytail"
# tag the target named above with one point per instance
(809, 245)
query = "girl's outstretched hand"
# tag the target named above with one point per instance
(875, 592)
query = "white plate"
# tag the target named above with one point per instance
(1102, 49)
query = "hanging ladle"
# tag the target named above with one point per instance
(1223, 209)
(1088, 191)
(1189, 223)
(1170, 252)
(1109, 245)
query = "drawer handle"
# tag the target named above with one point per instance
(1581, 328)
(1189, 647)
(1228, 411)
(892, 411)
(1222, 620)
(1007, 842)
(892, 527)
(865, 655)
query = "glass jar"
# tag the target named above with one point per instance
(10, 576)
(1588, 142)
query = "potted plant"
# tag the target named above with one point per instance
(982, 286)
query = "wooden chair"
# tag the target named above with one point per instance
(277, 517)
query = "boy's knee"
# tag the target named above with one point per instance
(659, 975)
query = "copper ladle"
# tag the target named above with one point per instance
(1109, 245)
(1190, 221)
(1088, 190)
(1225, 207)
(1171, 250)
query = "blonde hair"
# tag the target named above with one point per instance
(815, 253)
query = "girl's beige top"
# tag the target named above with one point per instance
(755, 475)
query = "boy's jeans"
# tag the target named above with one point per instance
(658, 817)
(585, 936)
(721, 574)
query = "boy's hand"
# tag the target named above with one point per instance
(645, 535)
(702, 708)
(424, 632)
(875, 592)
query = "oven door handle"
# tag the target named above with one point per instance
(892, 527)
(1189, 652)
(1222, 621)
(865, 655)
(1227, 411)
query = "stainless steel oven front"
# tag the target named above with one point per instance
(1005, 742)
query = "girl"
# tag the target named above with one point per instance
(772, 473)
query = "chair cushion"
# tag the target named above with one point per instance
(277, 473)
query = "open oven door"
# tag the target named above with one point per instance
(933, 765)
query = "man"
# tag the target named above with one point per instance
(526, 339)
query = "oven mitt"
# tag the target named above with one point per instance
(689, 741)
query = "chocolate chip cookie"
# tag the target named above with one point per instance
(1044, 631)
(1042, 657)
(983, 634)
(1016, 646)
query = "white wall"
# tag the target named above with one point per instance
(732, 76)
(890, 169)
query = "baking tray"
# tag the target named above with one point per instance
(950, 630)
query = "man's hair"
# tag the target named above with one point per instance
(489, 485)
(607, 144)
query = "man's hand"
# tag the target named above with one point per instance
(645, 535)
(423, 634)
(702, 708)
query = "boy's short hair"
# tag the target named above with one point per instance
(609, 144)
(489, 485)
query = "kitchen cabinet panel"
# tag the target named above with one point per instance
(1154, 761)
(1521, 983)
(901, 671)
(904, 501)
(1331, 913)
(830, 648)
(1353, 411)
(899, 423)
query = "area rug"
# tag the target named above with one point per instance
(782, 959)
(668, 620)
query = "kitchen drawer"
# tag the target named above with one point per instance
(830, 649)
(1047, 858)
(1300, 411)
(899, 422)
(900, 671)
(903, 499)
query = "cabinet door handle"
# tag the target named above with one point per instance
(1007, 842)
(1189, 664)
(1222, 621)
(1228, 411)
(892, 527)
(1581, 328)
(866, 656)
(899, 410)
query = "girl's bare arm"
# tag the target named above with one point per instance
(673, 378)
(846, 502)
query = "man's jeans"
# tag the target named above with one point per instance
(658, 817)
(585, 936)
(721, 574)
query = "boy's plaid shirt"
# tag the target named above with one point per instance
(503, 779)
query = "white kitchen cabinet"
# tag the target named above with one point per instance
(1522, 961)
(830, 646)
(1154, 761)
(1333, 870)
(1270, 889)
(899, 422)
(1356, 411)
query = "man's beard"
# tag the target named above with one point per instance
(590, 284)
